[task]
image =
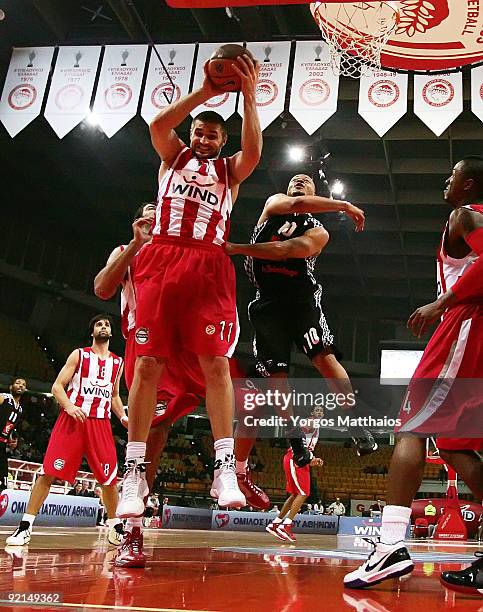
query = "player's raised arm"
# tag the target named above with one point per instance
(165, 140)
(309, 245)
(243, 163)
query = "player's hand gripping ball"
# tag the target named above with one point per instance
(220, 67)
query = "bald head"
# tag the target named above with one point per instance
(300, 185)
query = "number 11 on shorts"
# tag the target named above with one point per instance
(228, 328)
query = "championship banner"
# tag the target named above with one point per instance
(272, 80)
(438, 99)
(313, 98)
(224, 104)
(24, 87)
(477, 92)
(383, 98)
(119, 86)
(159, 91)
(71, 88)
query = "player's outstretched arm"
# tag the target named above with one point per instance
(308, 245)
(282, 204)
(113, 273)
(62, 380)
(164, 138)
(468, 225)
(243, 163)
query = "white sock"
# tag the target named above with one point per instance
(223, 447)
(111, 522)
(395, 521)
(30, 518)
(133, 521)
(277, 520)
(287, 521)
(135, 450)
(241, 467)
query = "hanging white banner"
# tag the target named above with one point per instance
(315, 87)
(178, 60)
(477, 92)
(438, 99)
(71, 88)
(224, 104)
(383, 98)
(24, 87)
(119, 86)
(272, 80)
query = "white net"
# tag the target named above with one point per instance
(356, 32)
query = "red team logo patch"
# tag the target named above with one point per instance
(3, 504)
(222, 520)
(314, 92)
(118, 95)
(22, 96)
(438, 92)
(59, 464)
(142, 335)
(266, 92)
(69, 97)
(383, 93)
(158, 97)
(210, 330)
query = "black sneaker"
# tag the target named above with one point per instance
(468, 581)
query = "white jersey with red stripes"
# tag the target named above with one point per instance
(92, 385)
(449, 269)
(311, 438)
(194, 199)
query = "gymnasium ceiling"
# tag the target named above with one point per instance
(85, 187)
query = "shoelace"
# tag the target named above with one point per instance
(132, 479)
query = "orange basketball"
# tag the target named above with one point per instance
(220, 67)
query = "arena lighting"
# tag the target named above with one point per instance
(92, 119)
(337, 188)
(296, 153)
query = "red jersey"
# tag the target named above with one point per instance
(194, 200)
(449, 269)
(93, 383)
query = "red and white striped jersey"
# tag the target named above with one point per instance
(449, 269)
(93, 383)
(311, 438)
(194, 200)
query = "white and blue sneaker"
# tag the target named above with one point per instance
(385, 562)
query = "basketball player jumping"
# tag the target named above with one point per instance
(83, 428)
(454, 352)
(185, 283)
(280, 261)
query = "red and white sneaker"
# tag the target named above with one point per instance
(256, 497)
(286, 532)
(130, 553)
(272, 529)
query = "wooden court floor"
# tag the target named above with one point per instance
(224, 571)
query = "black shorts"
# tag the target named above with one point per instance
(280, 324)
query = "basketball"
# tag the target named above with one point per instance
(220, 67)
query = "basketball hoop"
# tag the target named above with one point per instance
(356, 32)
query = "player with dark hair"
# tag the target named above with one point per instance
(436, 400)
(83, 428)
(184, 270)
(10, 414)
(280, 261)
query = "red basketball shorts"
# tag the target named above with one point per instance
(71, 440)
(456, 444)
(444, 397)
(186, 299)
(298, 478)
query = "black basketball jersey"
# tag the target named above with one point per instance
(288, 278)
(10, 414)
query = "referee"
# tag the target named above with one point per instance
(287, 309)
(10, 413)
